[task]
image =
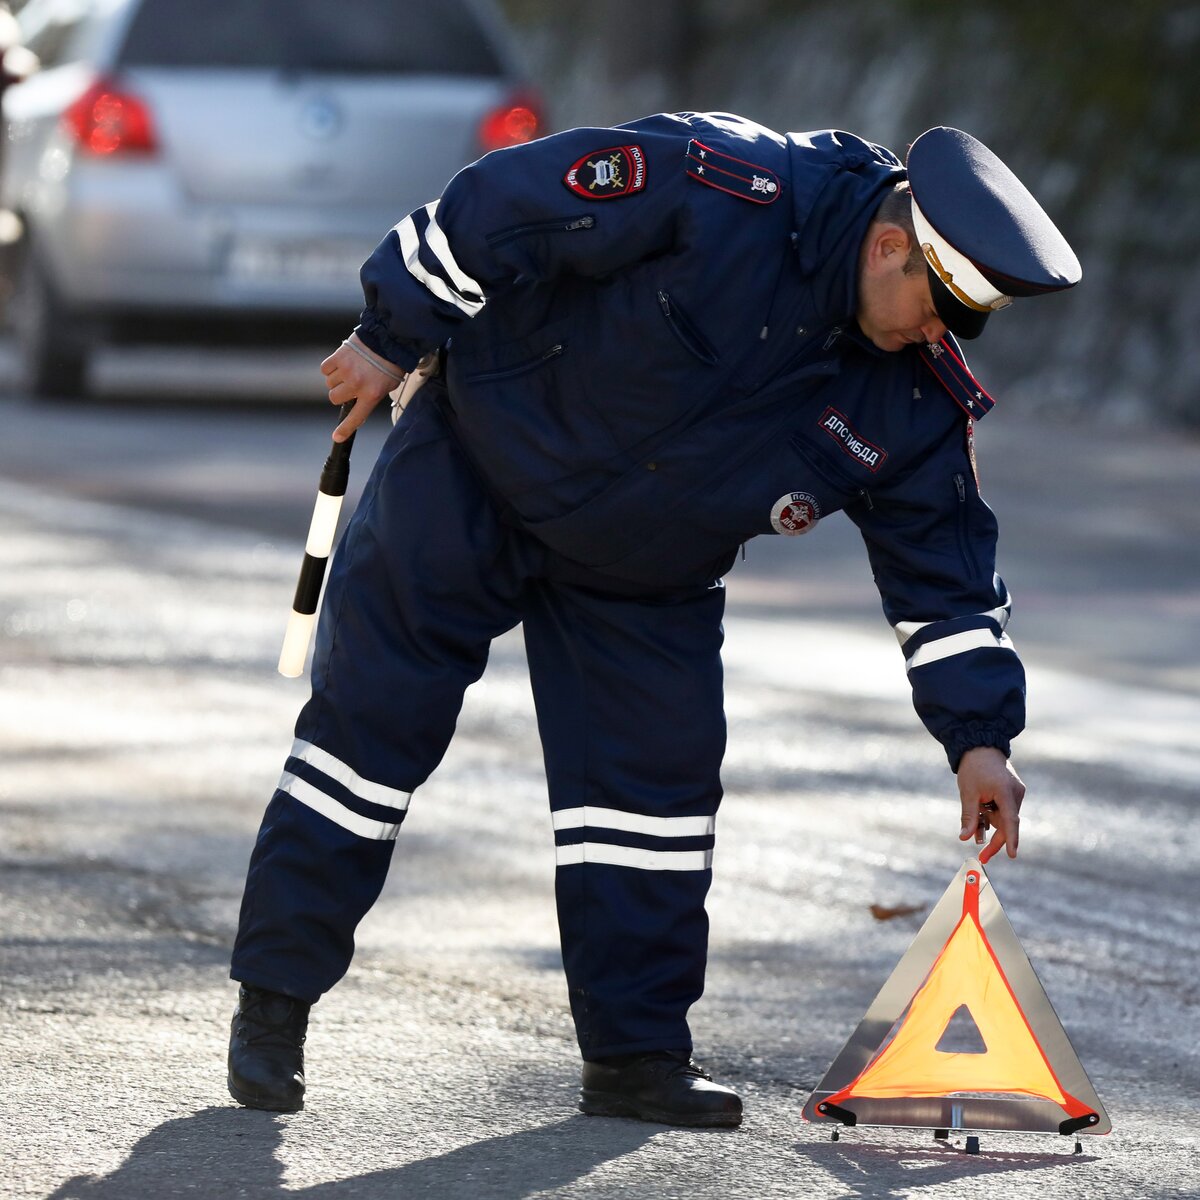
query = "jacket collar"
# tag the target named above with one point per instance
(837, 182)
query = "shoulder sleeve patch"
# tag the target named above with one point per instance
(608, 174)
(954, 375)
(732, 175)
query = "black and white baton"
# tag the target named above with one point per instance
(330, 492)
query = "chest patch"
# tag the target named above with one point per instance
(732, 175)
(795, 513)
(608, 174)
(835, 424)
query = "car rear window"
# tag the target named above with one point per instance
(341, 36)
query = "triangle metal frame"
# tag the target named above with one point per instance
(834, 1100)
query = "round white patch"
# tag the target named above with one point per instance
(795, 513)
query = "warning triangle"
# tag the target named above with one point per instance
(962, 1035)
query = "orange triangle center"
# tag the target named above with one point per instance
(965, 975)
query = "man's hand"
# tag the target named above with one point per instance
(355, 373)
(991, 793)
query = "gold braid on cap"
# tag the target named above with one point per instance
(947, 278)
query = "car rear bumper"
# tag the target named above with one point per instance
(126, 240)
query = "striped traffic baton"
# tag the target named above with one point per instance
(335, 475)
(321, 531)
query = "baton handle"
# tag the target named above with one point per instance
(322, 529)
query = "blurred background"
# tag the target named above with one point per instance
(173, 168)
(1093, 106)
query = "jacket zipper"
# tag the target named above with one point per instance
(520, 368)
(559, 224)
(682, 328)
(964, 532)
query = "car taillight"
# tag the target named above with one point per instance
(107, 119)
(517, 120)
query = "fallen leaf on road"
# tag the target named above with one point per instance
(882, 912)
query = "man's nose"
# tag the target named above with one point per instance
(933, 331)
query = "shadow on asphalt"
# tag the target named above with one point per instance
(881, 1172)
(231, 1151)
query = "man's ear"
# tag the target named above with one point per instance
(888, 246)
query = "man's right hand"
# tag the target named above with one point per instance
(991, 793)
(354, 373)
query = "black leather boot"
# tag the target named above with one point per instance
(664, 1086)
(266, 1050)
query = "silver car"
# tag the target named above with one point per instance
(219, 169)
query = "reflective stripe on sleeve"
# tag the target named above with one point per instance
(410, 249)
(956, 643)
(435, 239)
(906, 629)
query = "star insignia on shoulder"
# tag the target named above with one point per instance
(700, 170)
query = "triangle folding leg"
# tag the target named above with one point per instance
(965, 970)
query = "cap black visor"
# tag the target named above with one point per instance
(962, 321)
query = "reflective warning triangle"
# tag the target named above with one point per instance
(1021, 1072)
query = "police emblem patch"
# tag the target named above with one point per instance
(608, 174)
(795, 513)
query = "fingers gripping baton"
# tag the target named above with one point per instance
(331, 490)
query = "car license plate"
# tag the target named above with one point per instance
(324, 263)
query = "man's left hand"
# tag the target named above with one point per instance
(991, 793)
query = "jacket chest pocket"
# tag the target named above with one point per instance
(686, 331)
(524, 367)
(648, 363)
(840, 480)
(524, 413)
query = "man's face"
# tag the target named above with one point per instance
(894, 309)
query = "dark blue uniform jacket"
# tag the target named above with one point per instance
(652, 358)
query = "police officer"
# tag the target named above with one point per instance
(659, 340)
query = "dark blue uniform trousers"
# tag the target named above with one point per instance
(629, 703)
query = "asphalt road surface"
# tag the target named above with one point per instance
(149, 553)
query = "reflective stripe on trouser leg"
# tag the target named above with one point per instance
(629, 702)
(424, 579)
